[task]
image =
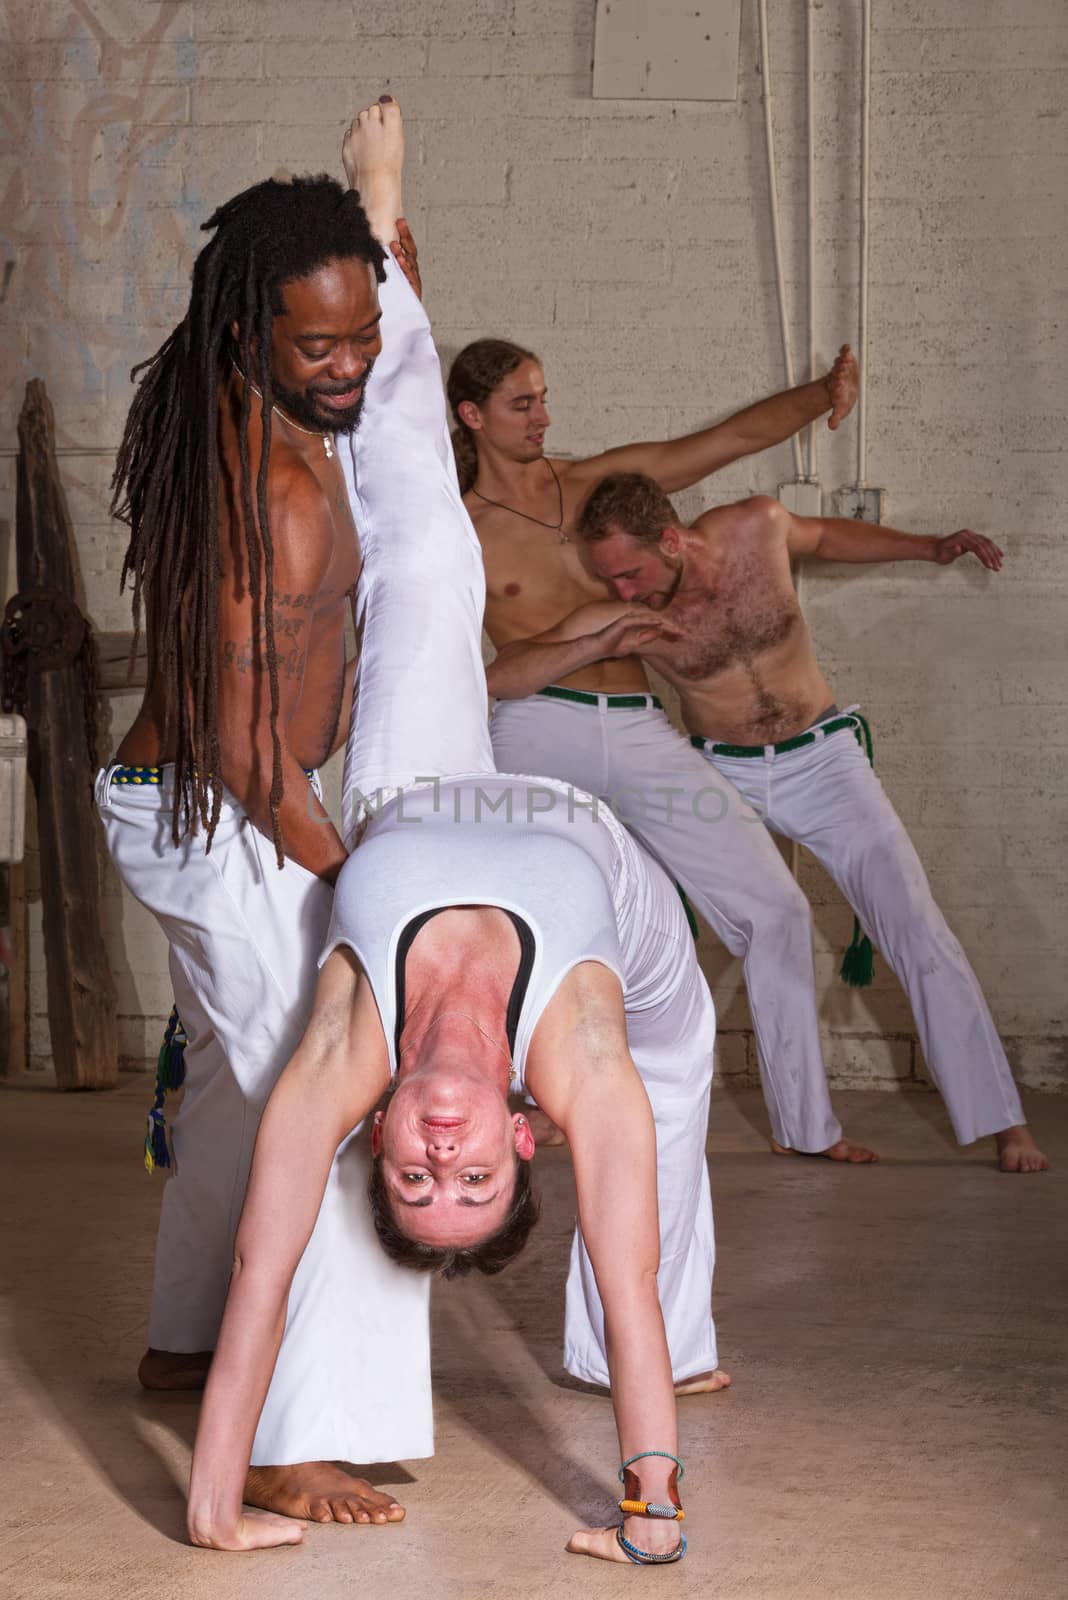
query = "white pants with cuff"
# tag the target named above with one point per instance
(827, 797)
(420, 712)
(715, 845)
(671, 1030)
(244, 938)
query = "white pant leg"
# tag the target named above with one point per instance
(419, 704)
(710, 840)
(828, 798)
(243, 939)
(671, 1029)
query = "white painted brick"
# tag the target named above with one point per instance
(1039, 1064)
(356, 61)
(857, 1063)
(732, 1057)
(629, 244)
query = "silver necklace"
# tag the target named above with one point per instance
(556, 527)
(313, 433)
(467, 1018)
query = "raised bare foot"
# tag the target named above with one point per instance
(171, 1369)
(1018, 1152)
(599, 1542)
(704, 1382)
(650, 1535)
(321, 1491)
(547, 1136)
(373, 153)
(253, 1530)
(844, 1150)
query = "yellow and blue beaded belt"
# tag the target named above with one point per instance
(137, 775)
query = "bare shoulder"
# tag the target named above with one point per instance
(579, 477)
(583, 1028)
(759, 515)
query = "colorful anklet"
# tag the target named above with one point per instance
(642, 1455)
(631, 1506)
(647, 1558)
(650, 1508)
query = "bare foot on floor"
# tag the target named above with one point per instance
(704, 1382)
(174, 1370)
(320, 1491)
(604, 1544)
(253, 1530)
(547, 1136)
(373, 153)
(1018, 1152)
(845, 1150)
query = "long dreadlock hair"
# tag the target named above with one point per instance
(167, 475)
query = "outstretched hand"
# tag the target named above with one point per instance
(954, 545)
(406, 254)
(842, 381)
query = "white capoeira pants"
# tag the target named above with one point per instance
(716, 846)
(420, 712)
(244, 939)
(671, 1030)
(827, 797)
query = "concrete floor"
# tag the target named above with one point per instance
(896, 1428)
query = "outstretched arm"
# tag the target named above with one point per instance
(841, 539)
(601, 631)
(337, 1075)
(582, 1075)
(678, 463)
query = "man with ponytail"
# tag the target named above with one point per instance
(243, 558)
(574, 699)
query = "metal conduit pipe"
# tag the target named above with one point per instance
(776, 237)
(865, 202)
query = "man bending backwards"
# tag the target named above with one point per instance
(489, 933)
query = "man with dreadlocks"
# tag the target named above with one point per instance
(243, 558)
(472, 949)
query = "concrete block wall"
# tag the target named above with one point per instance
(629, 243)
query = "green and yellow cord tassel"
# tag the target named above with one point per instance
(858, 963)
(170, 1075)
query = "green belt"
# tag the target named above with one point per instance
(750, 752)
(614, 702)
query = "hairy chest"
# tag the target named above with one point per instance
(747, 613)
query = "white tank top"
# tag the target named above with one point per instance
(536, 848)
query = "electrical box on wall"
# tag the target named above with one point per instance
(666, 50)
(802, 498)
(862, 505)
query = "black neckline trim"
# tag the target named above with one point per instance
(527, 952)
